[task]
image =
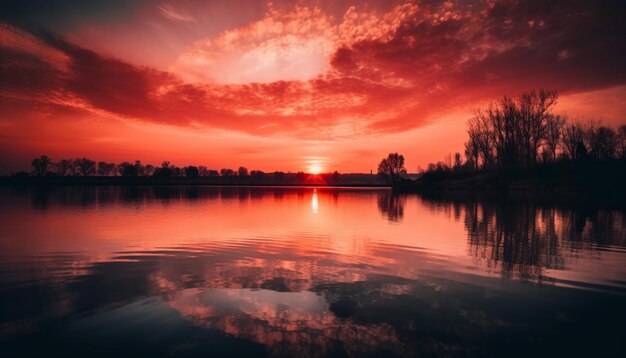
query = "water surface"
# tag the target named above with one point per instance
(183, 271)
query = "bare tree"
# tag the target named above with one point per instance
(554, 135)
(480, 138)
(511, 131)
(535, 114)
(601, 141)
(572, 139)
(472, 152)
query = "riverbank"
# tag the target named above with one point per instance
(594, 178)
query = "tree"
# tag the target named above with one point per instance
(105, 169)
(621, 134)
(392, 168)
(149, 170)
(601, 141)
(554, 134)
(85, 166)
(257, 173)
(457, 161)
(510, 132)
(65, 167)
(203, 171)
(164, 171)
(225, 172)
(480, 144)
(41, 165)
(242, 171)
(191, 171)
(127, 169)
(572, 139)
(140, 169)
(472, 152)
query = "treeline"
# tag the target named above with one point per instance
(523, 131)
(85, 167)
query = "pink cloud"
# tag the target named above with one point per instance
(305, 73)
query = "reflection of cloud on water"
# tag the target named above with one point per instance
(298, 323)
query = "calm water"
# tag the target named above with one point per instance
(183, 271)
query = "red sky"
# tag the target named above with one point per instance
(285, 85)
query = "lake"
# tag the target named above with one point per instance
(186, 271)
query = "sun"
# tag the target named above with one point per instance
(314, 169)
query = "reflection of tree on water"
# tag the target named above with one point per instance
(524, 239)
(519, 241)
(391, 206)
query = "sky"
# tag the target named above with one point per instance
(290, 85)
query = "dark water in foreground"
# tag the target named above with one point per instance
(185, 271)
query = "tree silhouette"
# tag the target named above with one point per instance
(621, 137)
(191, 171)
(392, 168)
(257, 173)
(242, 171)
(65, 167)
(127, 169)
(573, 136)
(85, 166)
(225, 172)
(149, 170)
(41, 165)
(511, 131)
(105, 169)
(554, 134)
(601, 141)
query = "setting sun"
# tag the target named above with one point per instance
(314, 169)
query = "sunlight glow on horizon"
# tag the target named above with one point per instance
(315, 169)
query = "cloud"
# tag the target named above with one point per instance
(293, 45)
(305, 73)
(172, 13)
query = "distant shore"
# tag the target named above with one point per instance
(288, 179)
(599, 179)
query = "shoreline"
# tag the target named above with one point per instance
(346, 180)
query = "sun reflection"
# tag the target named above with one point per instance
(314, 203)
